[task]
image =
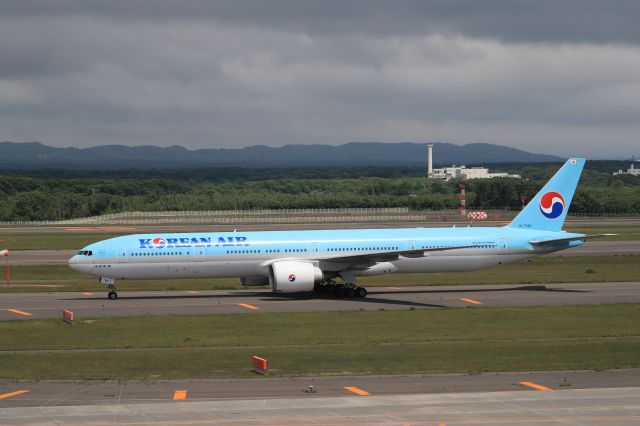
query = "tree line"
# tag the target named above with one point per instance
(56, 195)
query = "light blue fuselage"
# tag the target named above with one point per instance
(249, 254)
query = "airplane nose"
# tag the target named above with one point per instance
(73, 262)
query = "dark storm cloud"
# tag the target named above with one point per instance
(571, 21)
(559, 77)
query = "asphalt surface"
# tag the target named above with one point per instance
(317, 224)
(591, 248)
(571, 402)
(95, 392)
(50, 305)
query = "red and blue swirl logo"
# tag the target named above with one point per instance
(292, 278)
(159, 243)
(552, 205)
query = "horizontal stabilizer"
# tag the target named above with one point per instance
(567, 239)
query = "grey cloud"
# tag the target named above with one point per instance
(570, 21)
(205, 74)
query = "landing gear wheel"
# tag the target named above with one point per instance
(361, 292)
(340, 290)
(351, 292)
(320, 288)
(112, 295)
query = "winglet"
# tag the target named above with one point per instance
(548, 209)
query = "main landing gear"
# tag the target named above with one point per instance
(340, 290)
(348, 289)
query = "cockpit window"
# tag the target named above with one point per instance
(85, 253)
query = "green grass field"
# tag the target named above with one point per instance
(550, 269)
(364, 342)
(55, 241)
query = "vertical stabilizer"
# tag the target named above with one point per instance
(548, 209)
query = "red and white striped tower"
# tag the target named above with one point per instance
(7, 271)
(463, 201)
(5, 253)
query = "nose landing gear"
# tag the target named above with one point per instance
(111, 285)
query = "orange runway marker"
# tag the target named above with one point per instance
(475, 302)
(10, 394)
(193, 292)
(87, 294)
(15, 311)
(246, 305)
(357, 391)
(394, 288)
(180, 395)
(535, 386)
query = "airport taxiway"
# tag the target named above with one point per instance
(96, 392)
(95, 304)
(546, 405)
(307, 222)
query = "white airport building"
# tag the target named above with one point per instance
(460, 172)
(630, 171)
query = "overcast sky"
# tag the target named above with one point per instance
(557, 77)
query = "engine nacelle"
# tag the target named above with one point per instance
(254, 281)
(291, 277)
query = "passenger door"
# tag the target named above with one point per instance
(121, 254)
(198, 254)
(502, 245)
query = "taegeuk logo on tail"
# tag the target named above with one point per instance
(552, 205)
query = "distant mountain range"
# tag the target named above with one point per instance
(34, 155)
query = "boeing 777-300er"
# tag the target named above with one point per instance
(301, 261)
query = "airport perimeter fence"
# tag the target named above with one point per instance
(228, 213)
(294, 216)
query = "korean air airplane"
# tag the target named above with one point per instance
(301, 261)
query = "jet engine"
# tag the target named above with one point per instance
(290, 277)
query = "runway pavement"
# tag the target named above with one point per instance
(591, 248)
(201, 227)
(50, 305)
(585, 398)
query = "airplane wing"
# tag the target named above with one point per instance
(387, 256)
(564, 240)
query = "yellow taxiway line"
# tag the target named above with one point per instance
(246, 305)
(16, 311)
(16, 393)
(535, 386)
(357, 391)
(180, 395)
